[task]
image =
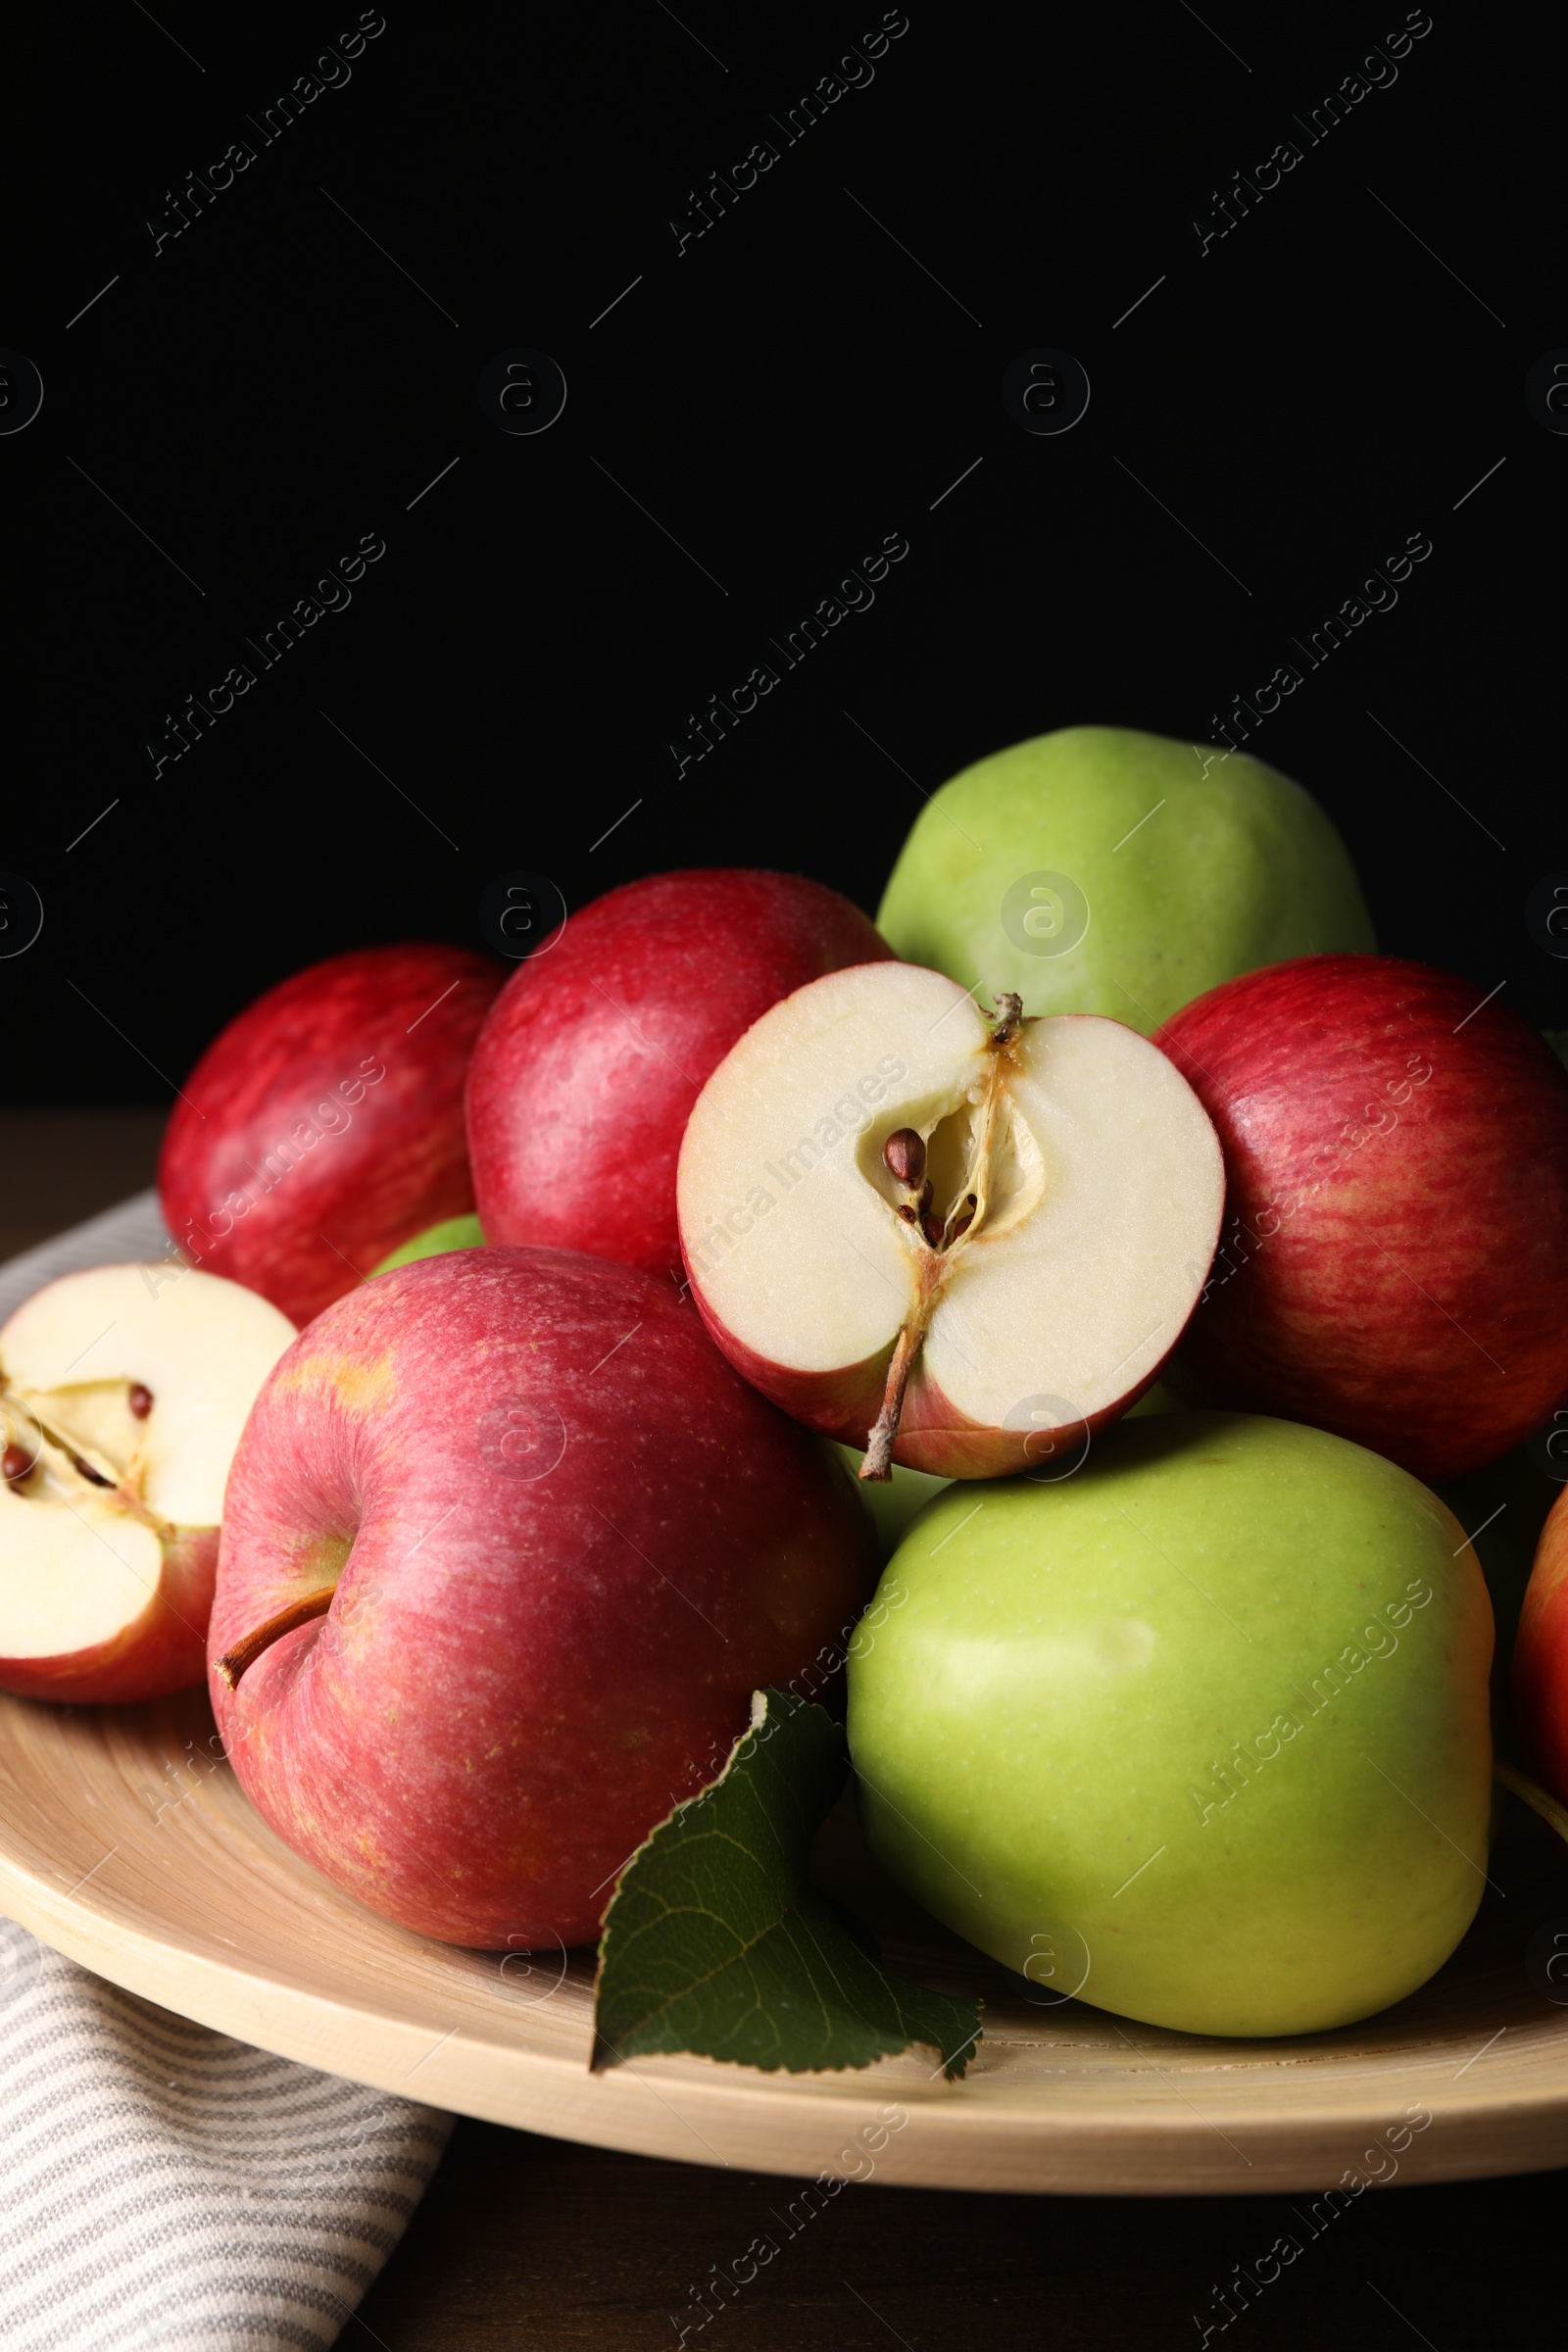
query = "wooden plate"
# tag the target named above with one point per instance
(128, 1843)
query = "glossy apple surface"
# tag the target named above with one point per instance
(1199, 1735)
(1076, 1189)
(1541, 1657)
(558, 1542)
(325, 1125)
(598, 1047)
(1395, 1246)
(122, 1393)
(1183, 867)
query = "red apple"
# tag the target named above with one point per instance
(1541, 1657)
(508, 1547)
(1396, 1251)
(963, 1244)
(122, 1393)
(596, 1050)
(323, 1127)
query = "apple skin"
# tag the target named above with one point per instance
(375, 1158)
(1540, 1657)
(935, 1436)
(1239, 868)
(531, 1656)
(586, 1072)
(891, 1503)
(108, 1477)
(1055, 1679)
(1395, 1243)
(164, 1649)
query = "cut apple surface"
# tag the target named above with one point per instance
(963, 1242)
(122, 1393)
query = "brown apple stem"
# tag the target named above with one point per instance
(1009, 1017)
(234, 1662)
(878, 1462)
(1541, 1801)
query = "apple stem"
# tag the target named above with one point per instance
(878, 1462)
(1009, 1017)
(234, 1662)
(1541, 1801)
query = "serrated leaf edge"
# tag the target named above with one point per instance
(607, 2053)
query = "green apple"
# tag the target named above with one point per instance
(892, 1502)
(1102, 871)
(1158, 1400)
(452, 1233)
(1199, 1735)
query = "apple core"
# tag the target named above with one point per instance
(1043, 1249)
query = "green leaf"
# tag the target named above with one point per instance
(714, 1942)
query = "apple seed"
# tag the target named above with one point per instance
(965, 1217)
(141, 1401)
(16, 1462)
(904, 1156)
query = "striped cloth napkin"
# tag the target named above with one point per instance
(161, 2185)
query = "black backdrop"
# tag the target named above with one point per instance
(299, 364)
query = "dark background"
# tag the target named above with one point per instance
(788, 390)
(1276, 417)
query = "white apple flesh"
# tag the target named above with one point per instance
(123, 1391)
(1025, 1290)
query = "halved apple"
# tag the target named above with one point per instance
(964, 1242)
(123, 1391)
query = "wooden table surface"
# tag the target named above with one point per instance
(525, 2242)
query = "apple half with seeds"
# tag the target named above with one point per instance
(963, 1242)
(123, 1391)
